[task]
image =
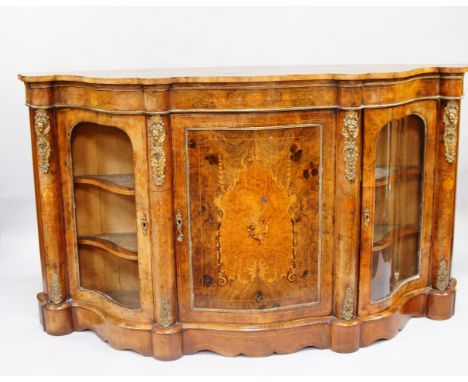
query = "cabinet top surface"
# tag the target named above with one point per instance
(245, 74)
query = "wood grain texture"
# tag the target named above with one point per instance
(255, 193)
(257, 236)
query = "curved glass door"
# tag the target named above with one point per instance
(104, 195)
(398, 204)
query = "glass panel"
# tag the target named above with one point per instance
(104, 191)
(398, 205)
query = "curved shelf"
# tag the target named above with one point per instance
(386, 235)
(383, 176)
(123, 245)
(123, 184)
(128, 299)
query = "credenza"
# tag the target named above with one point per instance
(245, 210)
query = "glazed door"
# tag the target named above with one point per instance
(397, 194)
(253, 207)
(106, 209)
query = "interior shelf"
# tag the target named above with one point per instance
(387, 235)
(123, 245)
(386, 175)
(123, 184)
(130, 299)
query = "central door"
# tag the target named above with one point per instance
(251, 218)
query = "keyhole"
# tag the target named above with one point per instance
(259, 297)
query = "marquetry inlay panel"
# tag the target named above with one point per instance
(254, 193)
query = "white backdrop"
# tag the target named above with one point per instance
(63, 39)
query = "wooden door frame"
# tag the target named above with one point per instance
(134, 127)
(374, 121)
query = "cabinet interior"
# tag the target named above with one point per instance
(398, 196)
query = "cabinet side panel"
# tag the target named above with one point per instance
(445, 186)
(255, 200)
(49, 200)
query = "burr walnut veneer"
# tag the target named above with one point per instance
(245, 210)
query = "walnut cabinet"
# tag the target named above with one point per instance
(245, 210)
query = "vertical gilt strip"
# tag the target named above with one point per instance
(55, 290)
(165, 311)
(350, 133)
(42, 128)
(442, 276)
(157, 135)
(347, 310)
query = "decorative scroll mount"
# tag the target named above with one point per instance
(157, 135)
(450, 132)
(347, 310)
(42, 128)
(442, 276)
(350, 133)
